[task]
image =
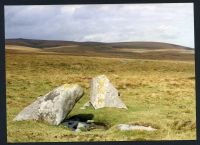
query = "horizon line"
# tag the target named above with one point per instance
(97, 41)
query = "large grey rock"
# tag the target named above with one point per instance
(104, 94)
(54, 106)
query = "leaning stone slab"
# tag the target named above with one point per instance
(54, 106)
(104, 94)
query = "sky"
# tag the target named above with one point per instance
(169, 23)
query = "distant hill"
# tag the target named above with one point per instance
(136, 50)
(56, 43)
(37, 43)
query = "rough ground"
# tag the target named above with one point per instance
(160, 93)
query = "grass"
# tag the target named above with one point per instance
(159, 93)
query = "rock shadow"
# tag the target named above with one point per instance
(80, 117)
(84, 122)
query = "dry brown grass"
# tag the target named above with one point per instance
(160, 93)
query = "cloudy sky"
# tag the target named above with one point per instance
(171, 23)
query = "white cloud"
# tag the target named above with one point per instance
(171, 23)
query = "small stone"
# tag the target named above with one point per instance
(126, 127)
(86, 105)
(82, 108)
(83, 126)
(90, 121)
(78, 130)
(71, 124)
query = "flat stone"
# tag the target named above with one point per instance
(54, 106)
(104, 94)
(126, 127)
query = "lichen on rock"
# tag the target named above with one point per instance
(104, 94)
(54, 106)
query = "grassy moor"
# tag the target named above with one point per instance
(156, 81)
